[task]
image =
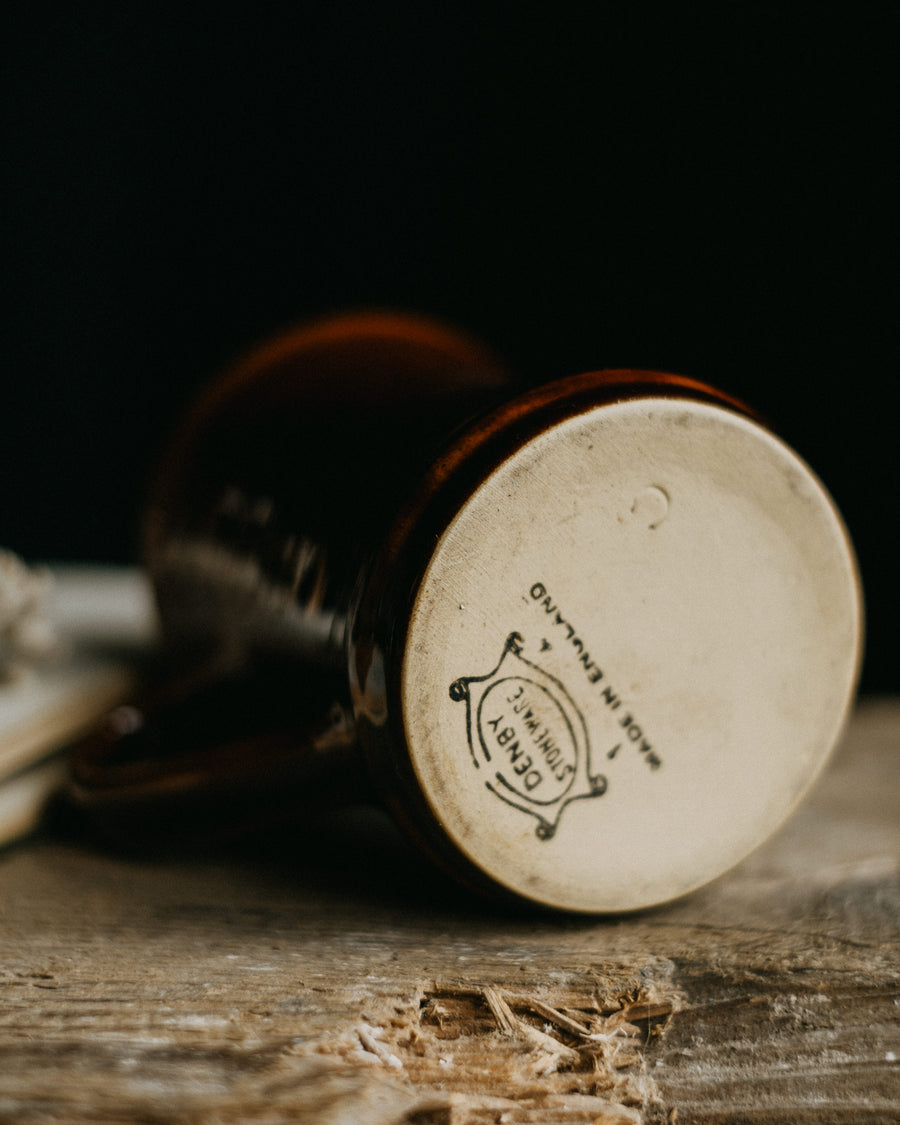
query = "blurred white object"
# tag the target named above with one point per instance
(72, 639)
(26, 633)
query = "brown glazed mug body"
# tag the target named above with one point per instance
(590, 649)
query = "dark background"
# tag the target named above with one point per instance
(712, 196)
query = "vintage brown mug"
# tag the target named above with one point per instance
(590, 650)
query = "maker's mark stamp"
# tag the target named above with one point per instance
(526, 728)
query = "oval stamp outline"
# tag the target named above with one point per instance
(570, 767)
(473, 689)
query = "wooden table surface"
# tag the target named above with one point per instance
(331, 976)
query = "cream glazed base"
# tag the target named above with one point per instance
(630, 655)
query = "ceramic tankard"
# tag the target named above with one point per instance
(590, 643)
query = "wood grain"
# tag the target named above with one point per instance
(328, 975)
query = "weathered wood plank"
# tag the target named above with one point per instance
(331, 976)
